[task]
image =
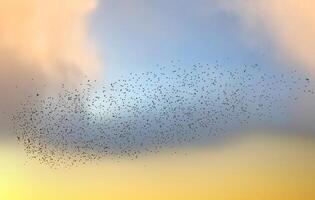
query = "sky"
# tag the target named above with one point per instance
(44, 44)
(136, 36)
(141, 34)
(144, 33)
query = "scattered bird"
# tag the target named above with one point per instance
(146, 112)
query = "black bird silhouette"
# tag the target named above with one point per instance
(146, 112)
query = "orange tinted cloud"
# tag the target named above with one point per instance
(48, 34)
(290, 24)
(43, 42)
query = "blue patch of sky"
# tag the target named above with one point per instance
(140, 36)
(134, 36)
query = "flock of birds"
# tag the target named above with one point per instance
(150, 111)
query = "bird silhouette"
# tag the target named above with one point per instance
(149, 111)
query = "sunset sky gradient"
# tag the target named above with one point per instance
(44, 43)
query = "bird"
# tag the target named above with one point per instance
(144, 113)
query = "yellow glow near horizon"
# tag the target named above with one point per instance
(253, 168)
